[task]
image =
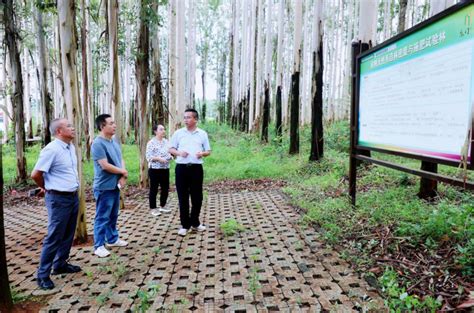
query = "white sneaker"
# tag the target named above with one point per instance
(182, 231)
(101, 252)
(165, 210)
(155, 212)
(118, 243)
(200, 228)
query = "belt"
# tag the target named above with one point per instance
(189, 164)
(62, 193)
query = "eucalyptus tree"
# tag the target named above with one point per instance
(317, 138)
(43, 65)
(268, 66)
(252, 72)
(231, 90)
(295, 81)
(11, 38)
(191, 80)
(142, 72)
(260, 61)
(181, 98)
(158, 114)
(68, 40)
(172, 105)
(279, 69)
(402, 15)
(114, 67)
(235, 64)
(26, 75)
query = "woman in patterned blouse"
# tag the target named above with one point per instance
(158, 159)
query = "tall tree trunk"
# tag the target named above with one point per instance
(26, 93)
(295, 82)
(268, 63)
(279, 70)
(158, 109)
(43, 69)
(402, 15)
(67, 33)
(91, 92)
(192, 53)
(229, 96)
(11, 34)
(141, 70)
(317, 138)
(203, 108)
(85, 79)
(181, 99)
(114, 78)
(172, 103)
(127, 84)
(235, 65)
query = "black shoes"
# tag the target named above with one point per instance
(45, 283)
(69, 268)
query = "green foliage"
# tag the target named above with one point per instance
(397, 298)
(253, 280)
(103, 298)
(231, 227)
(145, 297)
(466, 258)
(18, 296)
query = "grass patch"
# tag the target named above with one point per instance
(231, 227)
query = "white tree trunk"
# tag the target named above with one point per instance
(71, 95)
(172, 105)
(437, 6)
(387, 20)
(192, 54)
(114, 70)
(181, 99)
(26, 90)
(90, 75)
(127, 84)
(252, 64)
(268, 43)
(260, 61)
(235, 61)
(368, 21)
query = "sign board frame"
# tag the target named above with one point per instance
(390, 43)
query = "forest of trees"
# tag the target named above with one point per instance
(287, 62)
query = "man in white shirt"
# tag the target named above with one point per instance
(56, 175)
(190, 144)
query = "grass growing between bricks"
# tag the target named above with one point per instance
(388, 223)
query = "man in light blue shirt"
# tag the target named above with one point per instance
(190, 144)
(56, 175)
(109, 176)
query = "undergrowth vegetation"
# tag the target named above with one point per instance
(418, 250)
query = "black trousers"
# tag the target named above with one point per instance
(159, 177)
(189, 179)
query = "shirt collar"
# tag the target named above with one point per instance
(63, 144)
(192, 132)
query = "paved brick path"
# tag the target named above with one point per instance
(273, 266)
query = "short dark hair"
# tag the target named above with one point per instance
(154, 128)
(196, 114)
(100, 121)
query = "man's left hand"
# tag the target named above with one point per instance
(122, 181)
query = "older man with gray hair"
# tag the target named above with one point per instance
(56, 175)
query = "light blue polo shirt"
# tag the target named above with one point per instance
(106, 149)
(58, 162)
(191, 142)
